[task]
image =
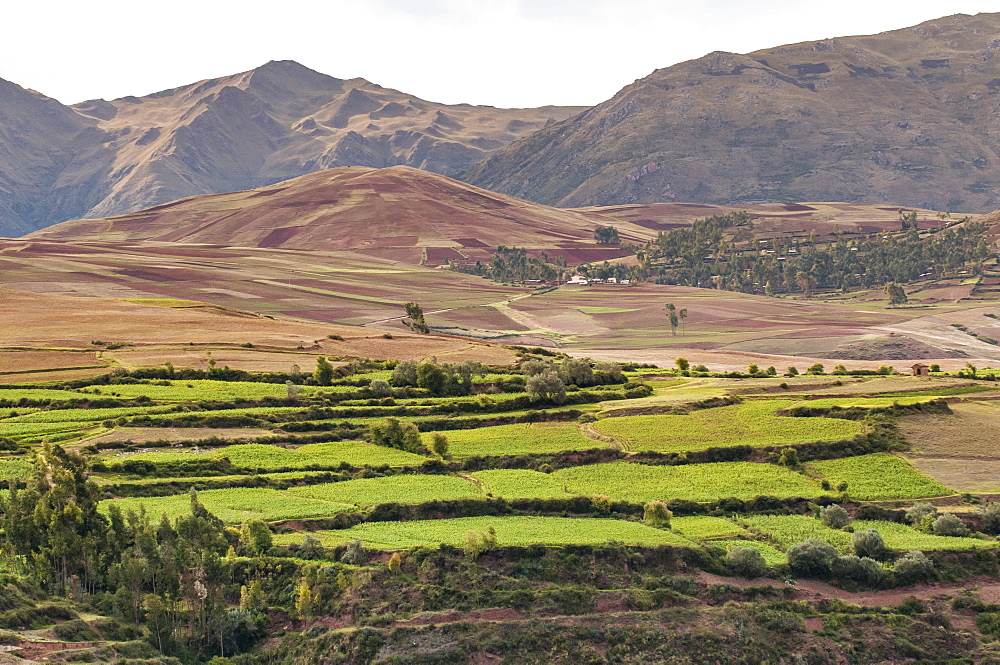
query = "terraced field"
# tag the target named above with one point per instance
(519, 440)
(748, 424)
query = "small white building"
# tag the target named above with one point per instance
(578, 279)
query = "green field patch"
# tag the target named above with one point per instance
(788, 530)
(26, 430)
(205, 389)
(13, 394)
(234, 505)
(520, 439)
(392, 489)
(511, 531)
(706, 528)
(521, 484)
(15, 468)
(748, 424)
(626, 481)
(879, 477)
(772, 555)
(863, 402)
(902, 537)
(82, 415)
(262, 456)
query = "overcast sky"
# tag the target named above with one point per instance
(499, 52)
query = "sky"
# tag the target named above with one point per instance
(507, 53)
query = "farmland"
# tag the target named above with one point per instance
(752, 423)
(623, 495)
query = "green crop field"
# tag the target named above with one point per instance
(518, 440)
(625, 481)
(261, 456)
(82, 415)
(15, 467)
(750, 423)
(772, 555)
(28, 430)
(519, 531)
(205, 389)
(879, 476)
(392, 489)
(521, 484)
(235, 505)
(863, 402)
(903, 537)
(707, 528)
(787, 530)
(14, 394)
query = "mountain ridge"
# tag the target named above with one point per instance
(900, 116)
(100, 158)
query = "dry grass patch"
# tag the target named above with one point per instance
(970, 431)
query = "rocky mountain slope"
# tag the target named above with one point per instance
(907, 117)
(278, 121)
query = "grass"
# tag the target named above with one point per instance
(13, 394)
(706, 528)
(18, 468)
(864, 402)
(750, 423)
(518, 440)
(25, 430)
(517, 531)
(392, 489)
(261, 456)
(625, 481)
(234, 505)
(521, 484)
(879, 477)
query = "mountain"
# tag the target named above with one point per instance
(398, 212)
(256, 128)
(906, 117)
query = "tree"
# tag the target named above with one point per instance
(812, 557)
(395, 561)
(920, 513)
(672, 317)
(606, 235)
(834, 516)
(404, 373)
(914, 566)
(989, 514)
(746, 562)
(949, 525)
(431, 377)
(792, 372)
(380, 388)
(897, 295)
(682, 364)
(815, 369)
(576, 372)
(255, 536)
(304, 604)
(292, 390)
(414, 319)
(546, 387)
(789, 457)
(656, 513)
(323, 375)
(868, 543)
(439, 444)
(392, 433)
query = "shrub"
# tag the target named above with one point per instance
(989, 513)
(75, 631)
(914, 566)
(656, 513)
(746, 562)
(439, 444)
(949, 525)
(812, 557)
(380, 388)
(789, 457)
(868, 543)
(834, 516)
(859, 570)
(916, 513)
